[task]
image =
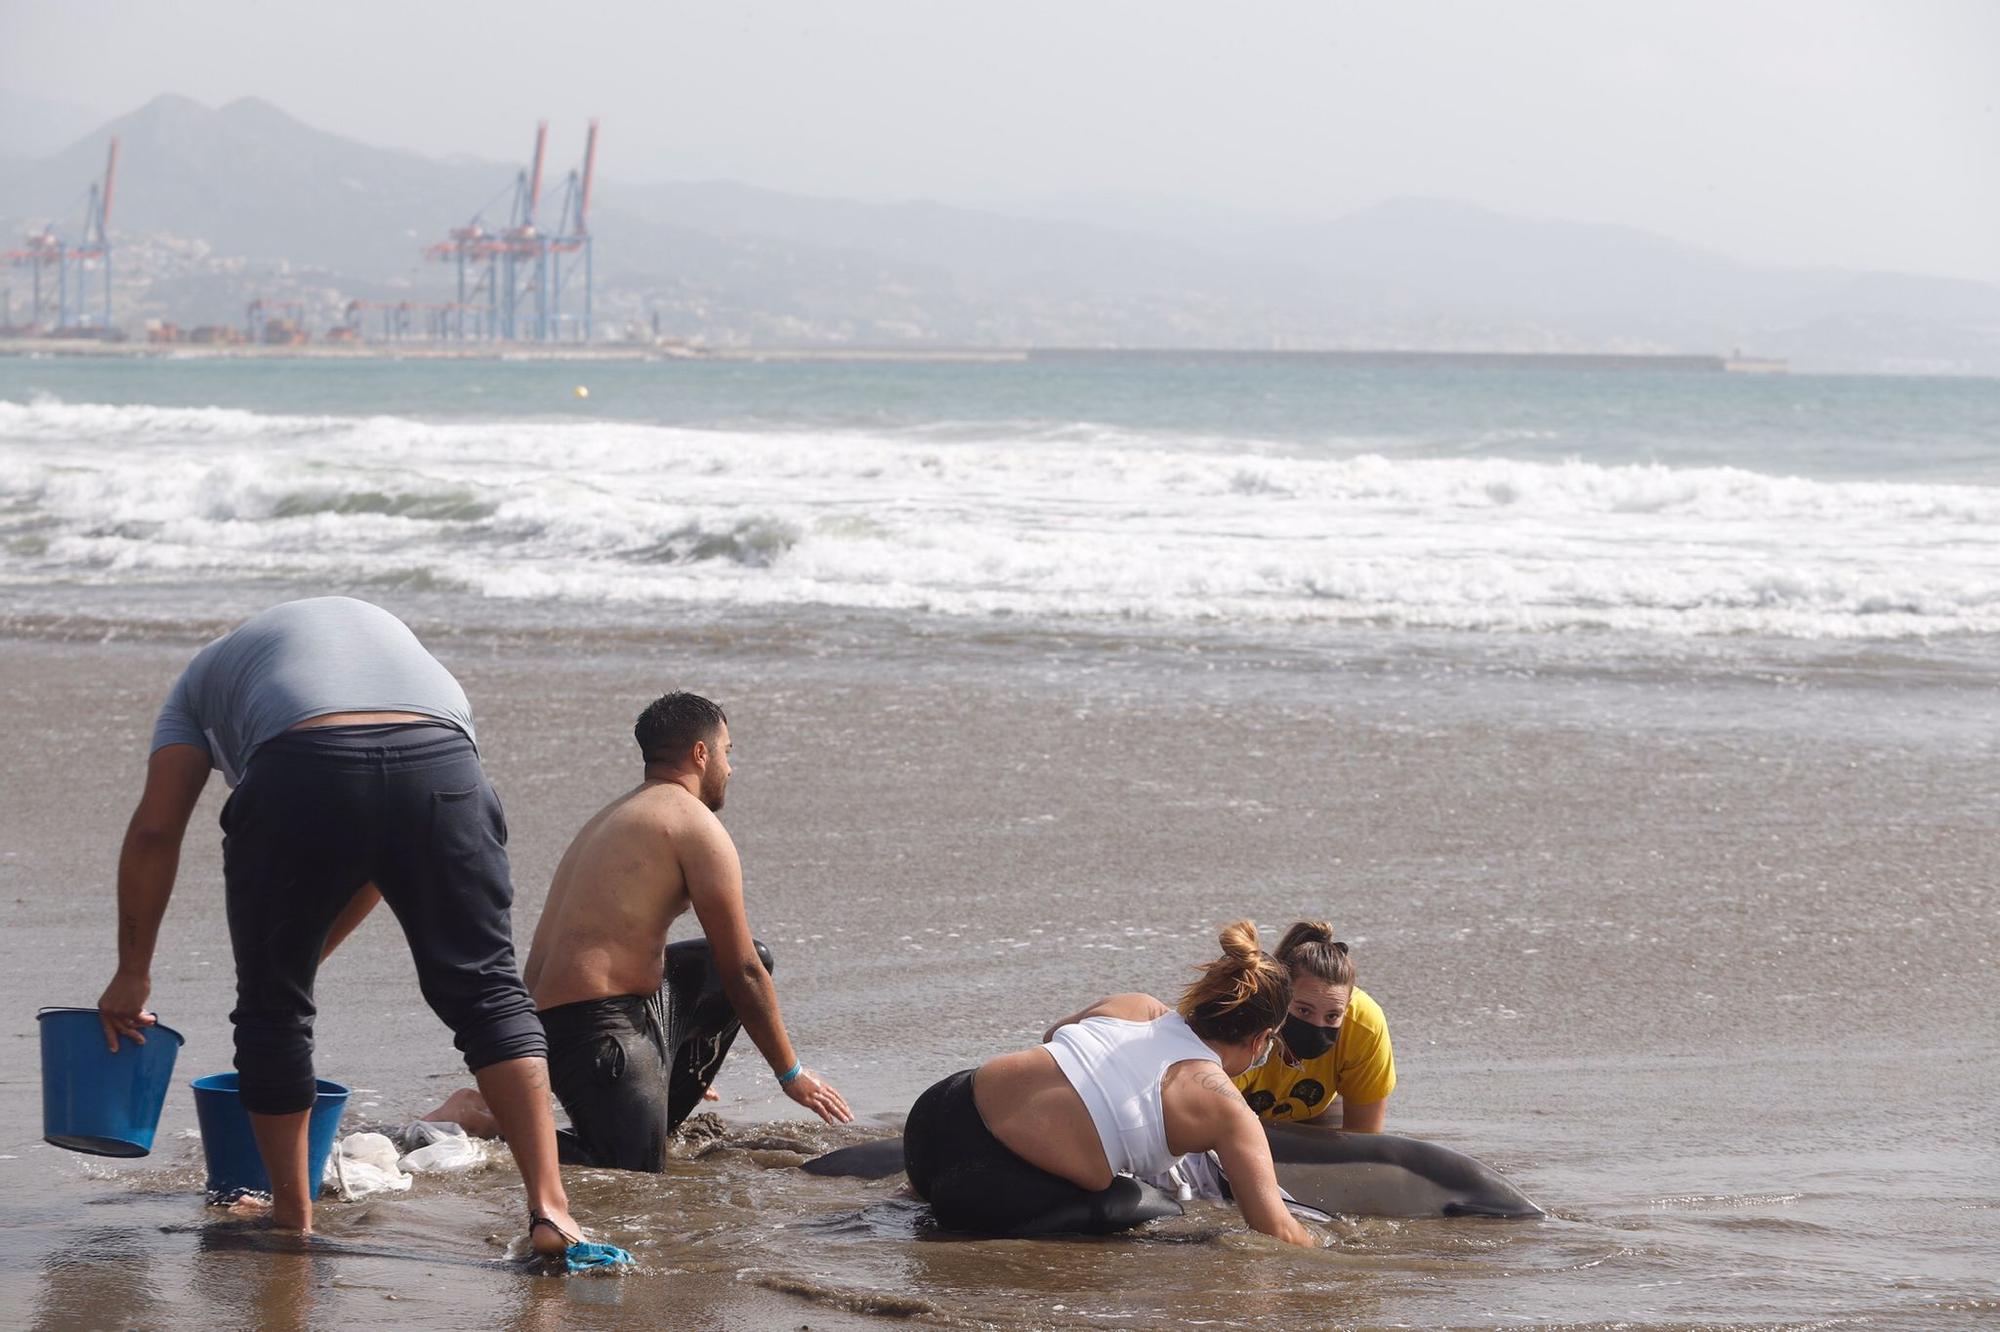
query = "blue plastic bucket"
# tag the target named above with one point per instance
(234, 1166)
(96, 1101)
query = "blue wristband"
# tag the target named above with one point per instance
(790, 1075)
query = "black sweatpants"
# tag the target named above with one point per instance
(321, 812)
(630, 1068)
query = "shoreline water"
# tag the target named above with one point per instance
(1680, 921)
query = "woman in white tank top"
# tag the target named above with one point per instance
(1049, 1139)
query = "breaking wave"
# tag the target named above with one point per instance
(1039, 525)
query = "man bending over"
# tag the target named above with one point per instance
(637, 1030)
(356, 780)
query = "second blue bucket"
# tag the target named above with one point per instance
(234, 1167)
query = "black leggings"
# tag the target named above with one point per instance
(975, 1183)
(322, 812)
(630, 1068)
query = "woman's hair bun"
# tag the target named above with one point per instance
(1305, 932)
(1239, 940)
(1310, 949)
(1241, 993)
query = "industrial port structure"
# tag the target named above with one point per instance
(517, 280)
(519, 283)
(59, 288)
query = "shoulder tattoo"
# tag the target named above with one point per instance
(1213, 1079)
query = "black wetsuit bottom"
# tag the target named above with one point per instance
(631, 1067)
(975, 1183)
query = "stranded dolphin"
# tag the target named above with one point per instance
(1385, 1174)
(1349, 1174)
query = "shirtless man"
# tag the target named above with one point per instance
(637, 1030)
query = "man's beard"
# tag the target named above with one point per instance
(711, 791)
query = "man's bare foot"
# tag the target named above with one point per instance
(467, 1109)
(259, 1207)
(552, 1235)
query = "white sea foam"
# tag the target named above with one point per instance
(1048, 524)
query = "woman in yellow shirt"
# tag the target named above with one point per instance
(1335, 1032)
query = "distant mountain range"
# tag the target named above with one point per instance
(218, 206)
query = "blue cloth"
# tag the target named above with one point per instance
(595, 1257)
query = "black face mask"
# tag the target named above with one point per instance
(1306, 1040)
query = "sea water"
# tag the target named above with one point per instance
(1270, 496)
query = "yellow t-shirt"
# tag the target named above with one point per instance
(1360, 1068)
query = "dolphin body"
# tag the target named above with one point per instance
(1342, 1174)
(1385, 1174)
(864, 1160)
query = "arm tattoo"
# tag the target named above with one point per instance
(1212, 1079)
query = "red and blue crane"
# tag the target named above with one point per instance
(515, 281)
(63, 270)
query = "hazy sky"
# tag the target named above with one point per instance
(1793, 131)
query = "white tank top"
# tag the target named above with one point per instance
(1116, 1067)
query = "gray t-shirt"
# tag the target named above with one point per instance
(301, 660)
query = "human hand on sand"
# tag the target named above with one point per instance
(121, 1009)
(819, 1097)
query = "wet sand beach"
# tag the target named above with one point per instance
(1697, 947)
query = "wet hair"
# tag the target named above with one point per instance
(1240, 994)
(671, 723)
(1309, 949)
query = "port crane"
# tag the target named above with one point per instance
(514, 280)
(58, 301)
